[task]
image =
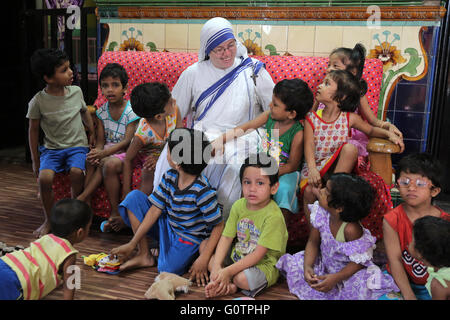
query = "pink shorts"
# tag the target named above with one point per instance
(121, 154)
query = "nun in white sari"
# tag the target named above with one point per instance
(224, 89)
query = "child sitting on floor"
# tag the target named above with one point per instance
(431, 244)
(337, 261)
(255, 230)
(328, 130)
(182, 213)
(116, 125)
(34, 272)
(283, 140)
(59, 110)
(353, 61)
(160, 116)
(419, 181)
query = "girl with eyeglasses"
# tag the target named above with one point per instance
(418, 182)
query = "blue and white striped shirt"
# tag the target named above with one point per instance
(192, 212)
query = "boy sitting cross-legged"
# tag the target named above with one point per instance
(255, 231)
(182, 213)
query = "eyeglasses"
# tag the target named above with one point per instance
(420, 183)
(221, 50)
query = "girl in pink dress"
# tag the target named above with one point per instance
(353, 61)
(337, 261)
(328, 130)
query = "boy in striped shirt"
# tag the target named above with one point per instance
(182, 213)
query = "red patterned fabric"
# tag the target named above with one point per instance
(382, 203)
(143, 67)
(166, 67)
(312, 71)
(99, 203)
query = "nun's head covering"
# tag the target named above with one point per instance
(214, 32)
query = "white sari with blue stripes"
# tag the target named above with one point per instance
(229, 104)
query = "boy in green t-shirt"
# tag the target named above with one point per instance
(258, 228)
(60, 111)
(283, 137)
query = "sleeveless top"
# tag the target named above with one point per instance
(115, 130)
(279, 147)
(442, 275)
(329, 138)
(340, 234)
(153, 143)
(399, 221)
(37, 267)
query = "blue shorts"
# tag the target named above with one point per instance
(286, 196)
(10, 288)
(60, 160)
(420, 291)
(176, 252)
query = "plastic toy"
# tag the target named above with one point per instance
(4, 249)
(103, 262)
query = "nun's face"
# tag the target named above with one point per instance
(223, 55)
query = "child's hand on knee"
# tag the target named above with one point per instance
(326, 282)
(314, 178)
(310, 276)
(223, 278)
(95, 155)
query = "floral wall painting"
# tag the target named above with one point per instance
(250, 42)
(112, 45)
(386, 51)
(411, 65)
(131, 42)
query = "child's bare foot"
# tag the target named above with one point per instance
(115, 223)
(42, 230)
(139, 261)
(212, 290)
